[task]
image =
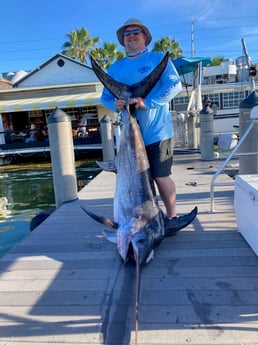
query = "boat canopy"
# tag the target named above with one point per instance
(186, 65)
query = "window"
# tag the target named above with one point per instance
(181, 100)
(232, 99)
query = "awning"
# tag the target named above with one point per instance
(40, 103)
(186, 65)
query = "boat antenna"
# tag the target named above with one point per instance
(192, 37)
(251, 67)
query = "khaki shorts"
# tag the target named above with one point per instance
(160, 156)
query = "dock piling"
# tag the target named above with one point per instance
(107, 138)
(62, 157)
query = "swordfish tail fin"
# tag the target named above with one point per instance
(123, 91)
(118, 90)
(107, 165)
(142, 88)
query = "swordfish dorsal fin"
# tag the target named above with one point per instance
(123, 91)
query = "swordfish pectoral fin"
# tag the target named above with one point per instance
(107, 166)
(102, 220)
(110, 236)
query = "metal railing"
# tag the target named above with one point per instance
(225, 163)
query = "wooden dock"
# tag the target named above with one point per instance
(64, 284)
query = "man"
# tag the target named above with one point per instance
(152, 112)
(82, 129)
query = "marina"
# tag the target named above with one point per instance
(64, 284)
(61, 282)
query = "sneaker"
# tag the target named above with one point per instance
(173, 225)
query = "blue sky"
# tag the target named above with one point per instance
(33, 31)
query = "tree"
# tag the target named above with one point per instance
(216, 60)
(79, 45)
(107, 55)
(166, 44)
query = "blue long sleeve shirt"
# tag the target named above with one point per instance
(155, 120)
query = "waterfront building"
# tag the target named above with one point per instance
(59, 82)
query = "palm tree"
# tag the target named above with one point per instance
(79, 45)
(166, 44)
(107, 55)
(216, 60)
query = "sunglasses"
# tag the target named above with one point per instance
(134, 32)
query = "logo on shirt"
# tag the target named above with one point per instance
(145, 69)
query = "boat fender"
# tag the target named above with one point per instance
(38, 219)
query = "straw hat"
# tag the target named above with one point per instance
(130, 22)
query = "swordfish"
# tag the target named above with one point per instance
(138, 225)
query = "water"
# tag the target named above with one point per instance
(26, 190)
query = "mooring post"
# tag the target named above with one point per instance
(192, 129)
(62, 157)
(107, 138)
(2, 136)
(248, 163)
(117, 132)
(206, 131)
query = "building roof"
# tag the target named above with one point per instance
(58, 70)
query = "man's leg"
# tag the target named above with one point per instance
(167, 190)
(161, 158)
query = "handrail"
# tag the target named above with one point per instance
(223, 165)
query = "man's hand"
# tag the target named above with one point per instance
(120, 104)
(138, 101)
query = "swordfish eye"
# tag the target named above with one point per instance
(141, 237)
